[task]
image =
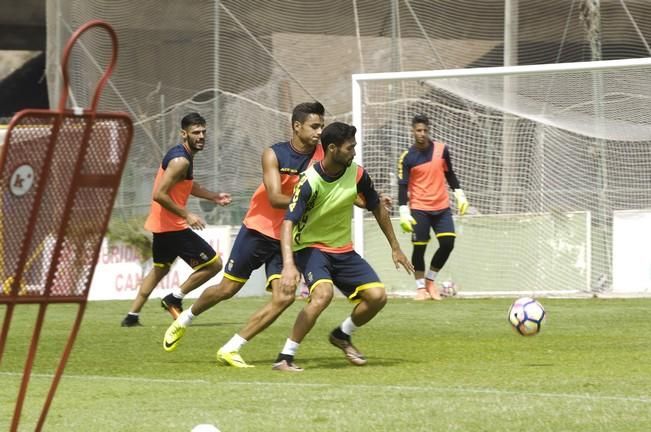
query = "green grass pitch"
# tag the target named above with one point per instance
(450, 366)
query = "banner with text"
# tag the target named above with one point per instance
(120, 270)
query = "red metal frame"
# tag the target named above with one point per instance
(80, 180)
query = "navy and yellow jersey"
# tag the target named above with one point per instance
(322, 207)
(261, 216)
(422, 174)
(160, 219)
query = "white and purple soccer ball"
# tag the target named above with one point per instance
(526, 316)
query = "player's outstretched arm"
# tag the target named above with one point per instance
(385, 200)
(221, 198)
(399, 258)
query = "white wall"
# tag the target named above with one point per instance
(632, 251)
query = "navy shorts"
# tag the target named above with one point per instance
(440, 221)
(348, 271)
(186, 244)
(250, 250)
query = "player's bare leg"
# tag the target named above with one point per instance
(149, 282)
(280, 300)
(228, 354)
(214, 294)
(372, 302)
(265, 316)
(201, 276)
(320, 298)
(173, 302)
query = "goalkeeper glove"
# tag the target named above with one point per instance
(406, 220)
(462, 202)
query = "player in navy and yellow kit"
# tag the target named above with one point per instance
(317, 228)
(258, 240)
(424, 173)
(172, 224)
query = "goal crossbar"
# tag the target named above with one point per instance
(502, 70)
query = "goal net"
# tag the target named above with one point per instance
(544, 153)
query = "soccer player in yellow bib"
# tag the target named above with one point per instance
(424, 173)
(316, 237)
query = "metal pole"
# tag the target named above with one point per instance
(358, 213)
(511, 27)
(395, 50)
(591, 16)
(215, 118)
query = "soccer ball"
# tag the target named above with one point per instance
(204, 428)
(526, 316)
(448, 289)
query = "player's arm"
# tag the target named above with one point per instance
(406, 220)
(290, 276)
(221, 198)
(403, 178)
(271, 180)
(176, 171)
(366, 188)
(385, 200)
(453, 182)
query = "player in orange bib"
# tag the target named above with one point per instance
(258, 242)
(172, 224)
(424, 173)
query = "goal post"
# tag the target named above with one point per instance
(545, 154)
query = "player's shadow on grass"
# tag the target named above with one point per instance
(339, 362)
(218, 324)
(319, 363)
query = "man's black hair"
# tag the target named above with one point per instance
(420, 118)
(192, 119)
(336, 133)
(303, 110)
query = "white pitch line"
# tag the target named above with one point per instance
(113, 378)
(497, 392)
(489, 391)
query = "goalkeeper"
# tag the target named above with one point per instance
(423, 171)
